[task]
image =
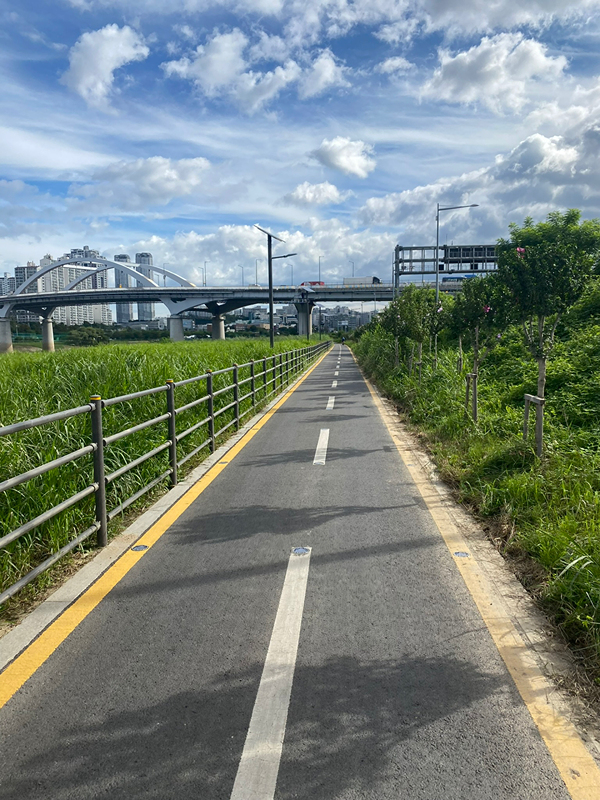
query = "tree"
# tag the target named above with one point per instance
(544, 266)
(482, 311)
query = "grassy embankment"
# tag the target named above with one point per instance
(549, 508)
(34, 384)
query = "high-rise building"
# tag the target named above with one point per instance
(124, 310)
(8, 284)
(21, 275)
(58, 279)
(143, 264)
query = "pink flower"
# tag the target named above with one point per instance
(439, 309)
(520, 252)
(487, 309)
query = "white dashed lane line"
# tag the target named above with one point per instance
(321, 452)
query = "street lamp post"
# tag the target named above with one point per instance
(271, 257)
(320, 257)
(351, 262)
(205, 263)
(437, 244)
(256, 265)
(292, 268)
(240, 266)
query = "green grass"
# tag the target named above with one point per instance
(552, 505)
(35, 384)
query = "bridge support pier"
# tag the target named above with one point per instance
(5, 336)
(218, 326)
(47, 334)
(304, 318)
(176, 328)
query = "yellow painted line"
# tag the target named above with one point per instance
(32, 658)
(576, 765)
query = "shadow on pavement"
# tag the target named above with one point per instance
(351, 725)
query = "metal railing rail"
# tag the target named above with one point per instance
(266, 378)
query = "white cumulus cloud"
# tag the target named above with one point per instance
(253, 90)
(134, 185)
(215, 65)
(94, 58)
(324, 74)
(318, 194)
(501, 72)
(539, 175)
(345, 155)
(395, 64)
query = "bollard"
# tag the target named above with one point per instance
(171, 429)
(99, 478)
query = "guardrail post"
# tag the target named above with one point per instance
(274, 369)
(252, 383)
(280, 371)
(526, 419)
(211, 410)
(236, 397)
(287, 368)
(171, 429)
(99, 479)
(265, 376)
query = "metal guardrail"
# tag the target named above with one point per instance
(273, 373)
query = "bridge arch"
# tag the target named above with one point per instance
(104, 264)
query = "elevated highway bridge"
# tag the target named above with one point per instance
(218, 300)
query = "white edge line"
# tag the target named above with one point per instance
(257, 773)
(330, 404)
(334, 385)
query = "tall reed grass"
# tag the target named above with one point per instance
(551, 506)
(35, 384)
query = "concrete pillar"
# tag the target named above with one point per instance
(304, 319)
(176, 328)
(47, 335)
(5, 336)
(218, 326)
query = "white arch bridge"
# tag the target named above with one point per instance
(218, 300)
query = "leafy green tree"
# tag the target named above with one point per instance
(482, 311)
(545, 266)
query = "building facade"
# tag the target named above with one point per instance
(124, 310)
(143, 264)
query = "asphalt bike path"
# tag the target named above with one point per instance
(300, 631)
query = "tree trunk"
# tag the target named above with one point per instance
(476, 350)
(541, 377)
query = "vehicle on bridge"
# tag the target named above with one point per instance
(368, 281)
(313, 283)
(458, 278)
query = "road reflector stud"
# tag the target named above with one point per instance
(461, 554)
(300, 551)
(140, 547)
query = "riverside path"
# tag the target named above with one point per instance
(303, 629)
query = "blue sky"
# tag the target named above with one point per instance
(175, 126)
